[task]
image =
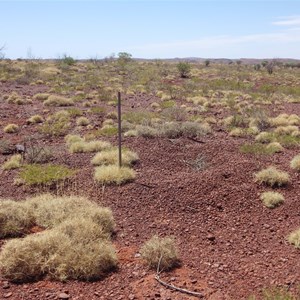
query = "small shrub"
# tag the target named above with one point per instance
(294, 238)
(273, 177)
(35, 174)
(110, 157)
(295, 163)
(160, 252)
(11, 128)
(264, 137)
(184, 69)
(13, 163)
(112, 174)
(55, 100)
(73, 138)
(271, 199)
(82, 121)
(74, 112)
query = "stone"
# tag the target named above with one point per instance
(63, 296)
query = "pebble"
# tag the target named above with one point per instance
(131, 297)
(63, 296)
(7, 295)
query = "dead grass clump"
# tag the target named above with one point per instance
(41, 96)
(273, 177)
(54, 100)
(295, 163)
(15, 219)
(82, 121)
(294, 238)
(111, 157)
(160, 253)
(55, 254)
(112, 174)
(75, 245)
(13, 163)
(11, 128)
(90, 146)
(271, 199)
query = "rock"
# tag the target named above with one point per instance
(63, 296)
(131, 297)
(6, 285)
(211, 237)
(7, 295)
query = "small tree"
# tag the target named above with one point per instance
(207, 62)
(1, 52)
(184, 69)
(270, 67)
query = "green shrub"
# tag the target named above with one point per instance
(271, 199)
(184, 69)
(35, 174)
(273, 177)
(160, 253)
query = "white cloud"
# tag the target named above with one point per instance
(288, 21)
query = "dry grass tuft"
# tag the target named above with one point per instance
(35, 119)
(294, 238)
(110, 157)
(82, 121)
(41, 96)
(13, 163)
(55, 100)
(295, 163)
(271, 199)
(90, 146)
(112, 174)
(160, 252)
(274, 147)
(273, 177)
(11, 128)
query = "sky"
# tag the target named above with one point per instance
(150, 29)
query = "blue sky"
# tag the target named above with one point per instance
(151, 29)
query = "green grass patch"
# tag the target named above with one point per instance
(35, 174)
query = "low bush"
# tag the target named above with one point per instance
(13, 163)
(295, 163)
(271, 199)
(113, 174)
(56, 125)
(160, 253)
(273, 177)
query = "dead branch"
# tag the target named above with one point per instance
(173, 287)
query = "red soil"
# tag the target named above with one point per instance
(230, 245)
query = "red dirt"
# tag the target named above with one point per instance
(230, 245)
